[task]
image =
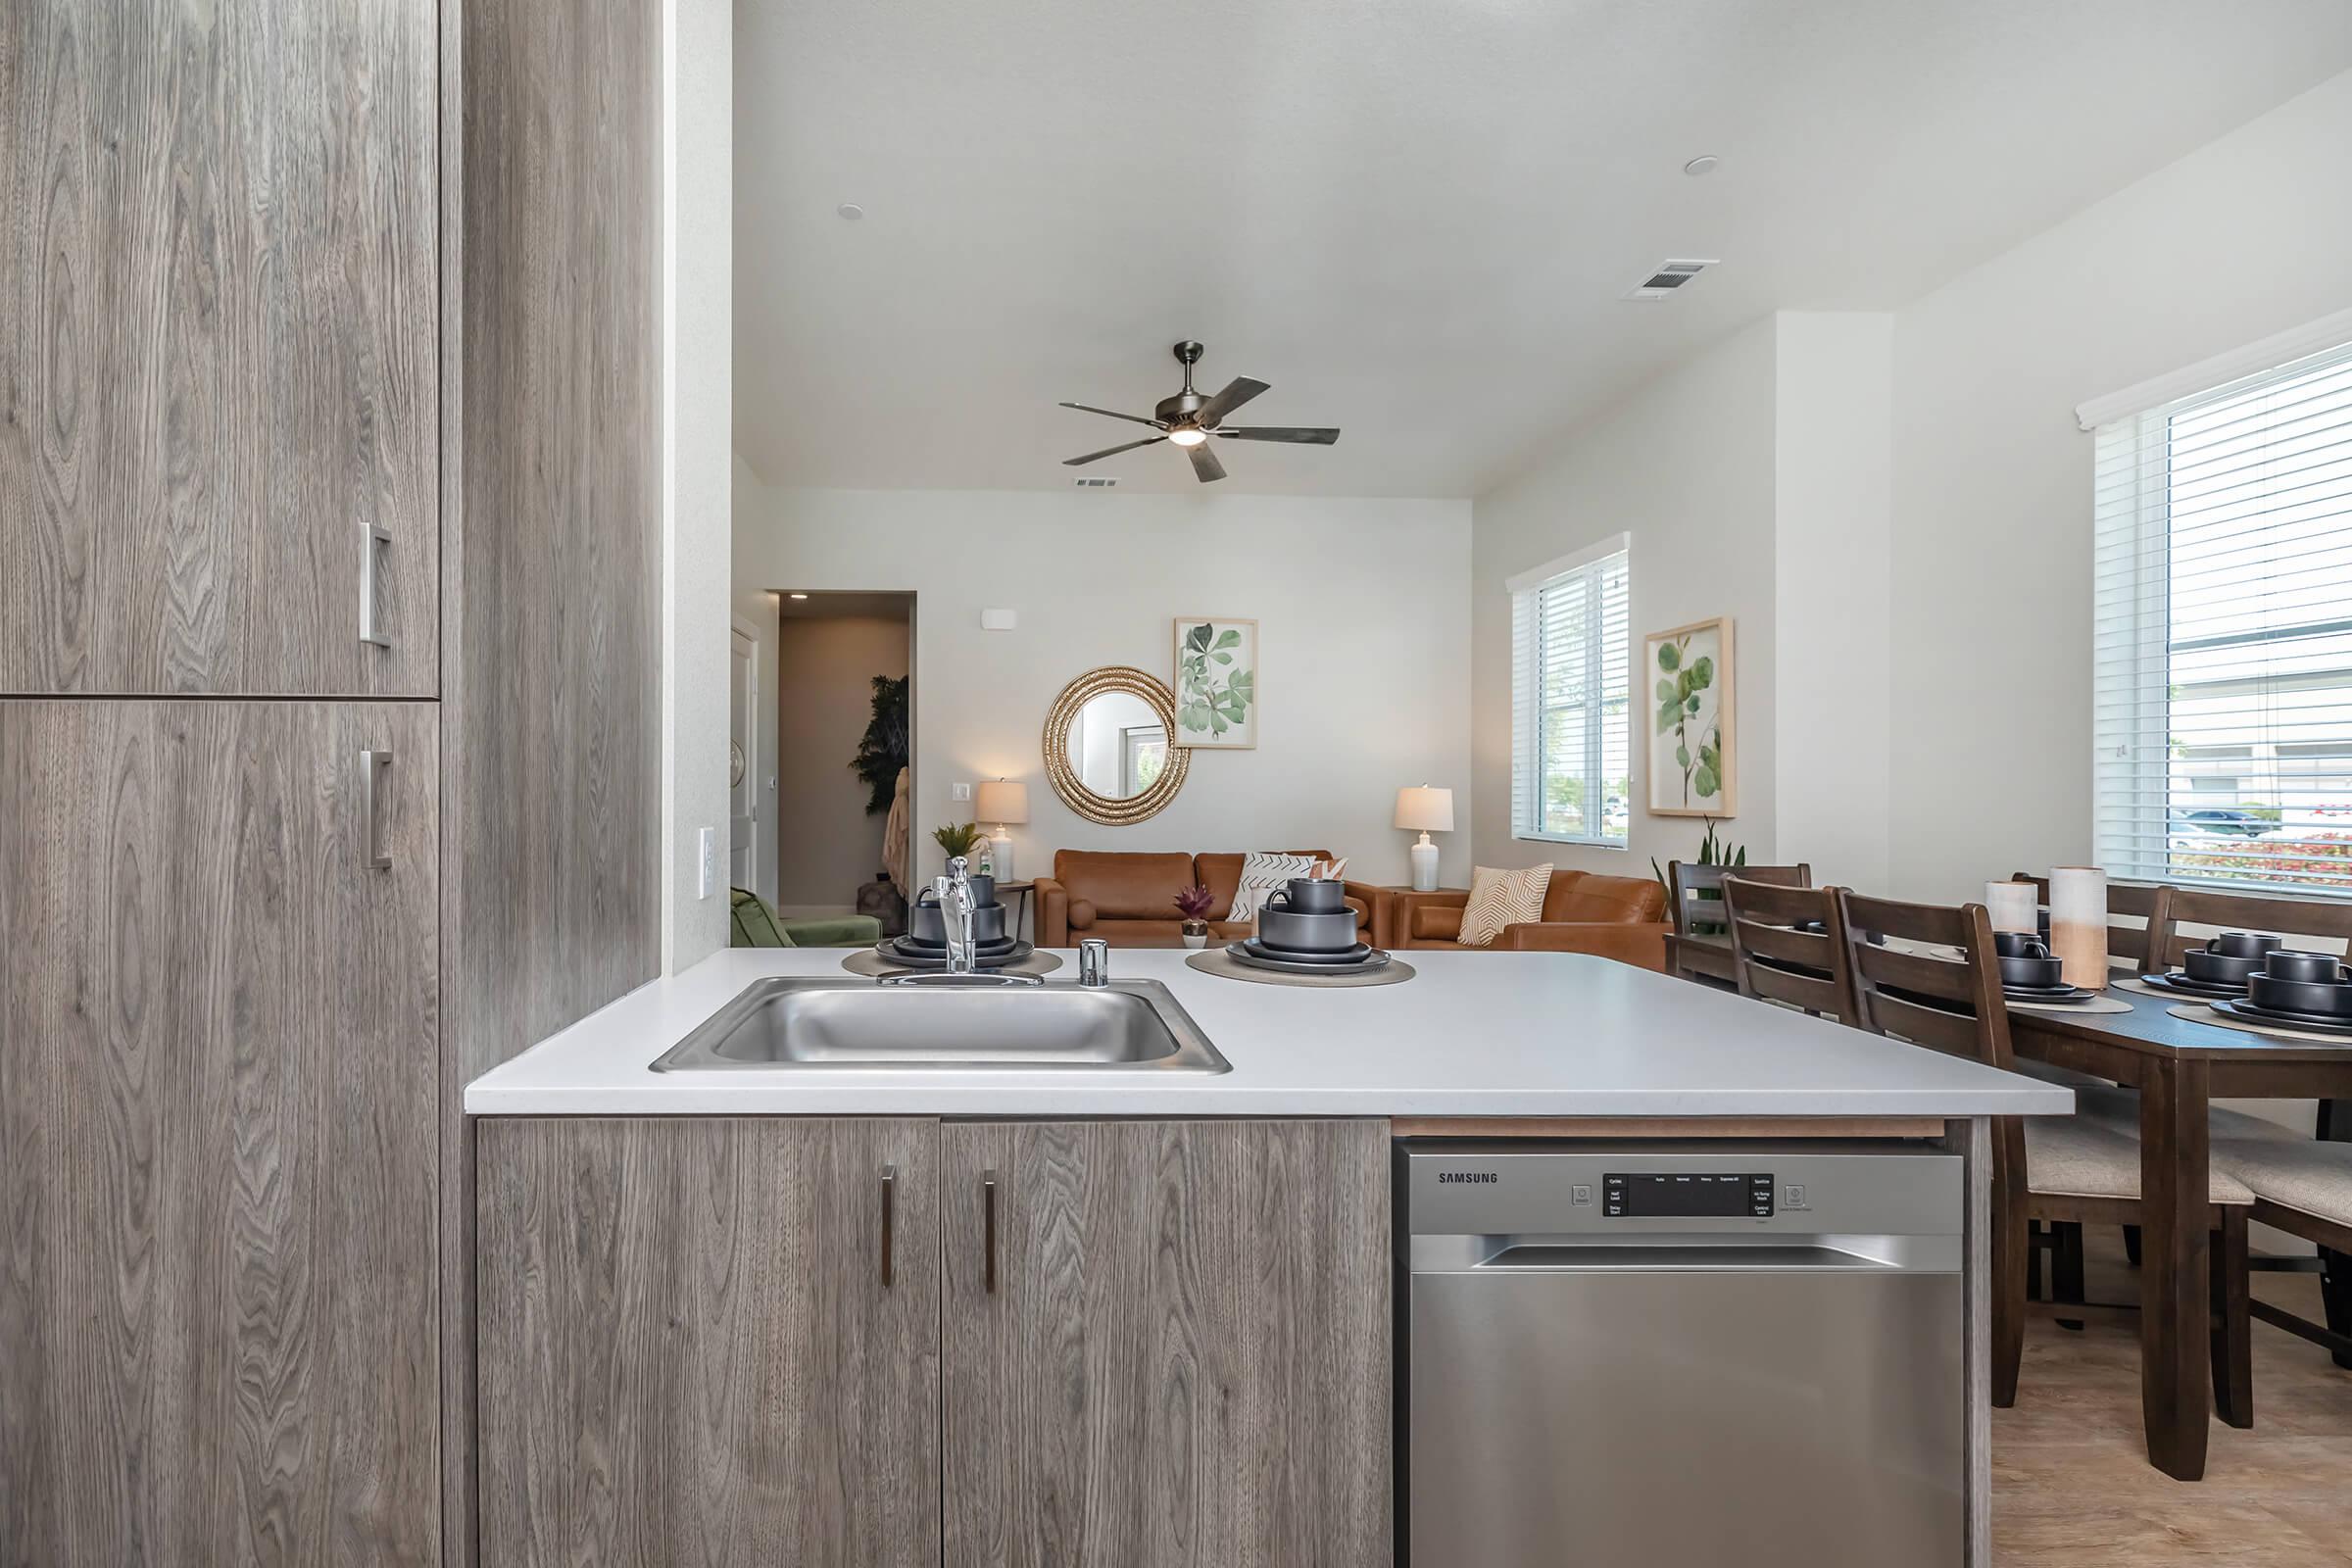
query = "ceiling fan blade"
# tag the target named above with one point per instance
(1138, 418)
(1204, 462)
(1294, 435)
(1111, 452)
(1237, 391)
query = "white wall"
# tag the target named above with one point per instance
(2249, 235)
(823, 844)
(1684, 464)
(1364, 611)
(697, 414)
(1832, 622)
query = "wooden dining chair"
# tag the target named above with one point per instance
(1778, 958)
(2131, 899)
(2054, 1169)
(1694, 899)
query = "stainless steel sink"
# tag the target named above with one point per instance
(789, 1022)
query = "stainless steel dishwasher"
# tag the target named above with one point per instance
(1668, 1355)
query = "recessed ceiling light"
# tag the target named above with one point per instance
(800, 595)
(851, 211)
(1703, 163)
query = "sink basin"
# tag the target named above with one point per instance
(790, 1023)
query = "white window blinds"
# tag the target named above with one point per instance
(2223, 657)
(1571, 670)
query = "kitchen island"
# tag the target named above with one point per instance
(1015, 1316)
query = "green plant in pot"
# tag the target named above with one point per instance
(956, 838)
(1193, 904)
(1712, 850)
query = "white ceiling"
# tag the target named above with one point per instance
(1413, 216)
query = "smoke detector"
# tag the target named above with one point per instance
(1095, 481)
(1666, 277)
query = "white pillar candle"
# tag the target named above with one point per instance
(2078, 924)
(2013, 906)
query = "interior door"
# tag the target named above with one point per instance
(1166, 1342)
(218, 1128)
(707, 1341)
(743, 730)
(219, 347)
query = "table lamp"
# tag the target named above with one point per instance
(1426, 810)
(1002, 801)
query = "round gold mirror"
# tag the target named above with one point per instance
(1108, 747)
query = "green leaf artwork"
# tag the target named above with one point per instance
(1685, 680)
(1217, 683)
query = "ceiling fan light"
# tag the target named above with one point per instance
(1188, 436)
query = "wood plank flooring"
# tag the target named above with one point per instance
(2072, 1483)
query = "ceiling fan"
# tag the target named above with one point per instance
(1189, 420)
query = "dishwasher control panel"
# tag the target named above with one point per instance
(1687, 1195)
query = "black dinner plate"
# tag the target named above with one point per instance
(1267, 950)
(2182, 984)
(939, 950)
(2299, 1020)
(937, 958)
(2047, 993)
(1239, 953)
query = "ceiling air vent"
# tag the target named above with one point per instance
(1095, 481)
(1668, 276)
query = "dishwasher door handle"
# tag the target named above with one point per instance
(1584, 1254)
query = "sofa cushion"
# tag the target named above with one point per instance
(1122, 885)
(1437, 922)
(1586, 897)
(1501, 898)
(1221, 872)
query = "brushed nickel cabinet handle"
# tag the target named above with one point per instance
(372, 763)
(375, 539)
(890, 1192)
(988, 1209)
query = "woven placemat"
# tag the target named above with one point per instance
(1218, 961)
(870, 961)
(2198, 1012)
(2094, 1004)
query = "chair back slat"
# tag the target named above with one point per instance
(2301, 921)
(2132, 900)
(1950, 1005)
(1776, 960)
(1688, 880)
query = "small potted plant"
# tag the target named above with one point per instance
(1193, 904)
(957, 838)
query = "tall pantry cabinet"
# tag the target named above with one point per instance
(329, 768)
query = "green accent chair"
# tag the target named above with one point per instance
(758, 925)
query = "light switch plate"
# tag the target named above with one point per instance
(705, 842)
(960, 791)
(1000, 620)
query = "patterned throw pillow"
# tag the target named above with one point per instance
(1330, 870)
(1502, 897)
(1261, 874)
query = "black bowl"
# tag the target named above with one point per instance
(2245, 944)
(929, 928)
(2329, 997)
(2037, 972)
(2019, 945)
(2218, 968)
(2321, 967)
(1311, 895)
(1307, 933)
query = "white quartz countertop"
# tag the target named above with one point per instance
(1473, 1034)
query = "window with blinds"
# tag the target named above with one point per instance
(1571, 673)
(2223, 716)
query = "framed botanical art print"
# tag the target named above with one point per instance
(1693, 758)
(1217, 683)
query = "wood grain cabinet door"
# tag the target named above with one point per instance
(218, 329)
(706, 1341)
(1178, 1353)
(218, 1134)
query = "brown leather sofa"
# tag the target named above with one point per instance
(1129, 896)
(1621, 917)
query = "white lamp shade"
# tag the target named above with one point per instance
(1002, 801)
(1423, 810)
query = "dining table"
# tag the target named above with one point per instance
(2179, 1066)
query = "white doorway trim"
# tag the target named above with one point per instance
(747, 803)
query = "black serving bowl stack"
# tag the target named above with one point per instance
(2221, 968)
(925, 944)
(2302, 988)
(1305, 927)
(2029, 970)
